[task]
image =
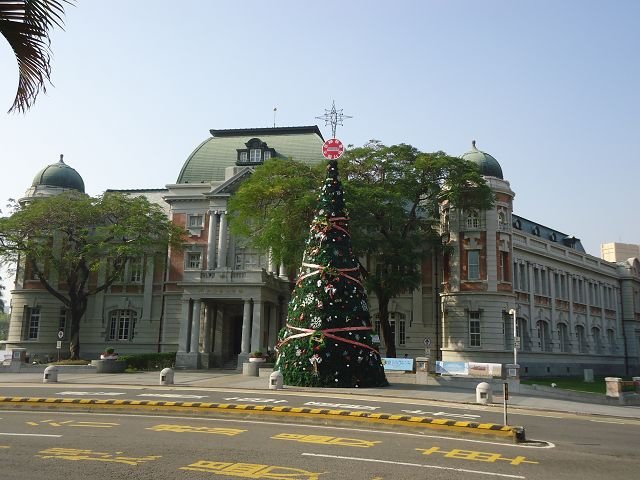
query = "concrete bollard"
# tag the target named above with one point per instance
(166, 376)
(50, 374)
(483, 393)
(276, 380)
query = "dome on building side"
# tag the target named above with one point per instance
(59, 175)
(489, 166)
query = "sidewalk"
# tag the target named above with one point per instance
(453, 392)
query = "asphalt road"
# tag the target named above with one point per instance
(70, 446)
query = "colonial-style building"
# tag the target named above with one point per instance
(217, 300)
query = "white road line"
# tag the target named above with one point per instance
(407, 464)
(607, 421)
(91, 393)
(28, 435)
(170, 395)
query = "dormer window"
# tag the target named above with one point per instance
(256, 152)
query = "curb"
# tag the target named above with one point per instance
(517, 434)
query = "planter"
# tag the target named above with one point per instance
(257, 359)
(109, 366)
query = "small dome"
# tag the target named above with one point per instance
(489, 166)
(59, 175)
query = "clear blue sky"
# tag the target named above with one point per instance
(549, 88)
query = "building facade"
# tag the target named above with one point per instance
(500, 280)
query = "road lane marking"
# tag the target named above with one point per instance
(440, 414)
(72, 423)
(28, 435)
(102, 394)
(191, 429)
(256, 400)
(170, 395)
(326, 440)
(341, 405)
(252, 470)
(418, 465)
(77, 454)
(475, 456)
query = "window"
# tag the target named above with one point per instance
(582, 344)
(504, 267)
(597, 340)
(121, 324)
(474, 329)
(194, 260)
(135, 270)
(255, 155)
(243, 157)
(266, 155)
(195, 221)
(132, 271)
(611, 339)
(473, 221)
(33, 322)
(473, 264)
(563, 337)
(543, 336)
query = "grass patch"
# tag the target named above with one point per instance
(570, 383)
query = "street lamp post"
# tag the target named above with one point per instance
(512, 312)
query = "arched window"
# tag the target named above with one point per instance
(597, 339)
(543, 335)
(580, 336)
(473, 220)
(563, 337)
(122, 324)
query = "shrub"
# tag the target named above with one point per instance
(149, 361)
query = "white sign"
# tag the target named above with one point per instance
(427, 342)
(58, 344)
(60, 334)
(398, 364)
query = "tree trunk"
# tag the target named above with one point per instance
(385, 326)
(77, 312)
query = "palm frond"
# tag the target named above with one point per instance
(26, 24)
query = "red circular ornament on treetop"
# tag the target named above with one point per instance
(332, 149)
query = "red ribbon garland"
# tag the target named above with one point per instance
(327, 333)
(321, 269)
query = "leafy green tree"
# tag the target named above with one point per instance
(4, 325)
(26, 24)
(327, 341)
(393, 195)
(63, 239)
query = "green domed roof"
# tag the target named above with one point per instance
(59, 175)
(489, 166)
(209, 160)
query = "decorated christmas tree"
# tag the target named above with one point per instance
(327, 341)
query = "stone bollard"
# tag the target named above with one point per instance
(483, 393)
(614, 386)
(50, 374)
(166, 376)
(250, 369)
(276, 380)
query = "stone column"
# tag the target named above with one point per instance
(256, 326)
(206, 341)
(274, 325)
(283, 272)
(195, 327)
(185, 328)
(211, 240)
(222, 241)
(272, 266)
(246, 328)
